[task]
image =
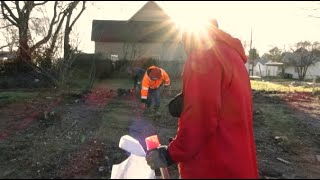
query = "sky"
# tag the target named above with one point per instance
(273, 23)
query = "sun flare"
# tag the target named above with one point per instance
(196, 25)
(190, 23)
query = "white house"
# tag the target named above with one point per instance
(264, 67)
(274, 68)
(312, 72)
(150, 32)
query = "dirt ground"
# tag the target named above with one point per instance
(77, 136)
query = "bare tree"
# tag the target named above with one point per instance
(125, 50)
(275, 54)
(18, 14)
(9, 35)
(132, 51)
(303, 55)
(69, 25)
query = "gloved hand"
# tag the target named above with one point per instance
(158, 158)
(143, 105)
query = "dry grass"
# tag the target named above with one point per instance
(278, 86)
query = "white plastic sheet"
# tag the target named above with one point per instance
(135, 166)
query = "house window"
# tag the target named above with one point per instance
(269, 73)
(114, 57)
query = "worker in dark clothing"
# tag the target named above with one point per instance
(137, 74)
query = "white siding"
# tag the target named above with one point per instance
(291, 70)
(312, 71)
(273, 70)
(266, 70)
(256, 70)
(165, 51)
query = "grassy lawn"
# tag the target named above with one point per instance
(124, 83)
(278, 86)
(14, 96)
(17, 95)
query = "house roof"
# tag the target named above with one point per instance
(157, 27)
(133, 31)
(262, 61)
(155, 8)
(274, 64)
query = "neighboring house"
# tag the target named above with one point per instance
(264, 67)
(274, 68)
(312, 72)
(150, 32)
(259, 68)
(256, 70)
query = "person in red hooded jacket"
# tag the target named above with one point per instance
(215, 129)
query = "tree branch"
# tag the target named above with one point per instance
(4, 46)
(54, 38)
(46, 38)
(24, 6)
(18, 7)
(9, 11)
(6, 26)
(83, 8)
(14, 19)
(38, 4)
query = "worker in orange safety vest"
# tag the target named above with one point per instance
(153, 79)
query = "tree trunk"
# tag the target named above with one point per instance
(300, 74)
(304, 71)
(66, 45)
(24, 55)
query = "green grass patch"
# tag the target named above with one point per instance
(11, 97)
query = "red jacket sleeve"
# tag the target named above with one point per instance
(202, 102)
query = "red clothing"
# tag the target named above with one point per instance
(215, 131)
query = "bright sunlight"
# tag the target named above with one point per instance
(190, 22)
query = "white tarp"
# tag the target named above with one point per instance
(135, 166)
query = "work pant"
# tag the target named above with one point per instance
(154, 96)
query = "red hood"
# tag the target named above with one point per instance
(231, 41)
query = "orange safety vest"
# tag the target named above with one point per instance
(148, 83)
